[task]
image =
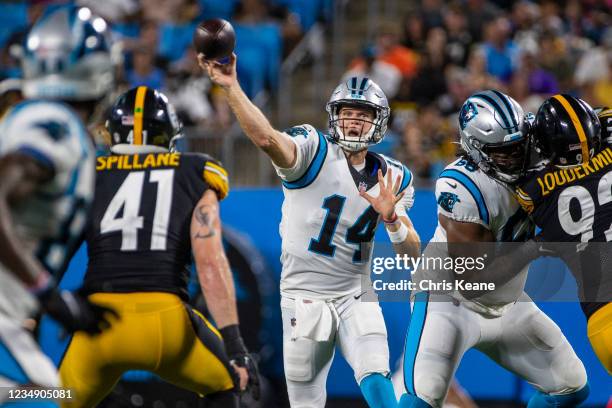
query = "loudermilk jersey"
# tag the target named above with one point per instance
(575, 205)
(465, 193)
(327, 228)
(51, 221)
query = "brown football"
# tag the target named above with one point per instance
(214, 38)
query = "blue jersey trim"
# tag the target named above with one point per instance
(406, 179)
(313, 169)
(472, 188)
(413, 338)
(9, 366)
(37, 155)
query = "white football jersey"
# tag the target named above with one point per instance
(327, 228)
(51, 221)
(465, 193)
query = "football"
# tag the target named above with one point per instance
(214, 38)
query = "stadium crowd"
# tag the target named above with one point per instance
(427, 62)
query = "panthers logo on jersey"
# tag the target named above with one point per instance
(448, 200)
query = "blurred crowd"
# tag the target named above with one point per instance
(443, 51)
(427, 62)
(156, 41)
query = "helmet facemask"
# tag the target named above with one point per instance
(352, 136)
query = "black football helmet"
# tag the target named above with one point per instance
(566, 131)
(142, 120)
(605, 120)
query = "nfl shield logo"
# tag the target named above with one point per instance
(362, 186)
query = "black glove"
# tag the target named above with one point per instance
(74, 311)
(239, 355)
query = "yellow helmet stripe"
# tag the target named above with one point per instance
(581, 135)
(141, 92)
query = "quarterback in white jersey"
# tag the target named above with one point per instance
(335, 194)
(476, 204)
(47, 172)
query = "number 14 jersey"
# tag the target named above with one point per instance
(139, 233)
(327, 228)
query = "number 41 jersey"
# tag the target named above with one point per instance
(139, 233)
(327, 228)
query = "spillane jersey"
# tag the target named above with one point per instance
(50, 222)
(575, 205)
(465, 193)
(139, 233)
(327, 228)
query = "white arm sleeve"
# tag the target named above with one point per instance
(306, 139)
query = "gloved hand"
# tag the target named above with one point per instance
(73, 310)
(240, 357)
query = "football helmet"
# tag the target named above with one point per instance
(67, 56)
(360, 92)
(494, 133)
(567, 131)
(142, 120)
(605, 120)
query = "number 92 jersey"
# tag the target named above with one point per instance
(575, 205)
(139, 233)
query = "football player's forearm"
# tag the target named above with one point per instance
(411, 246)
(218, 289)
(12, 255)
(257, 128)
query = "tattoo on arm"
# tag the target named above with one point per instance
(204, 216)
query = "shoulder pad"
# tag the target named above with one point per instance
(216, 177)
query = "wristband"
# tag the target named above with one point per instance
(393, 219)
(399, 236)
(233, 340)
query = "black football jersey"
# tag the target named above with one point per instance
(575, 205)
(138, 237)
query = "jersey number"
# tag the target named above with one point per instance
(584, 224)
(128, 198)
(362, 231)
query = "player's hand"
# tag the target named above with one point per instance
(75, 312)
(223, 75)
(245, 367)
(384, 204)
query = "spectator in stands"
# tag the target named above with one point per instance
(459, 39)
(500, 52)
(413, 32)
(144, 71)
(391, 51)
(428, 142)
(430, 83)
(459, 87)
(554, 57)
(176, 31)
(431, 13)
(386, 75)
(188, 90)
(477, 75)
(478, 12)
(593, 73)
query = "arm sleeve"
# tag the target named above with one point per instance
(307, 141)
(461, 200)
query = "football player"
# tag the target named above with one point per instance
(570, 199)
(47, 172)
(153, 208)
(476, 204)
(336, 192)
